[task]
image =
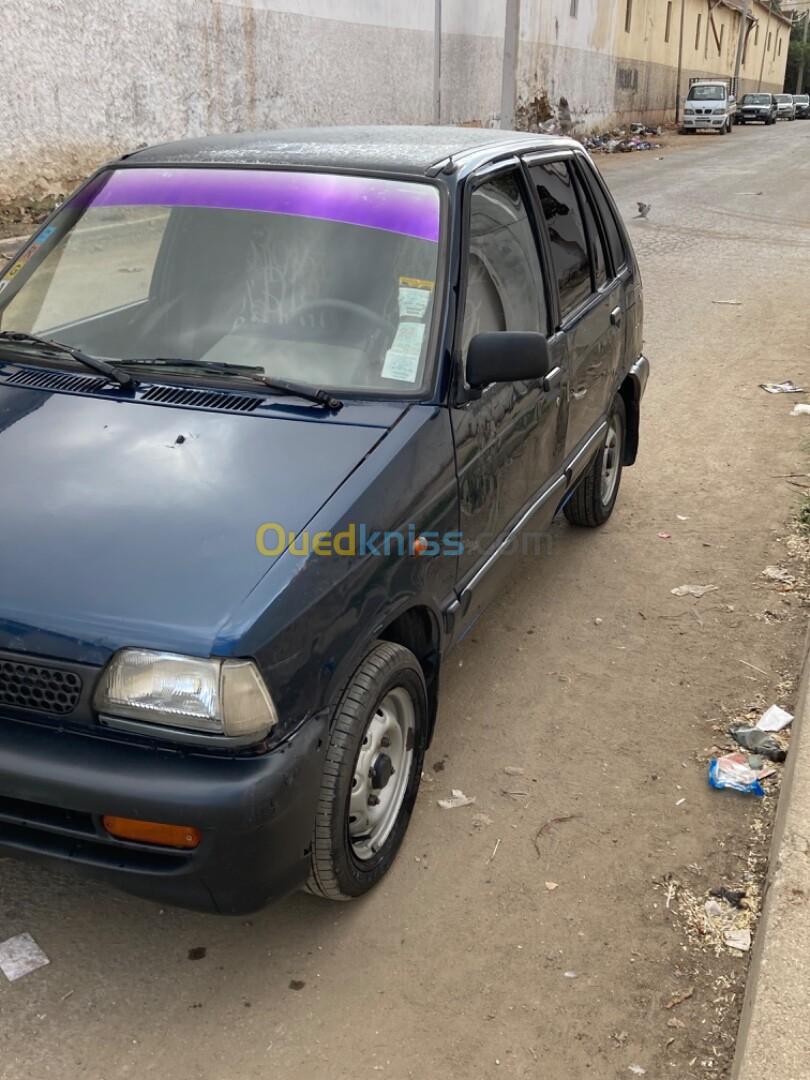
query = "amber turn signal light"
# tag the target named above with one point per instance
(152, 832)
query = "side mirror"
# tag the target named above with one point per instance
(506, 356)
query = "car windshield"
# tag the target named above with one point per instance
(707, 93)
(784, 99)
(802, 99)
(319, 278)
(756, 99)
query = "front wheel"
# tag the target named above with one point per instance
(371, 774)
(595, 496)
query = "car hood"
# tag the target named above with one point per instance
(126, 523)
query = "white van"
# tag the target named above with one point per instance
(710, 106)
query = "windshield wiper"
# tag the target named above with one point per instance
(255, 372)
(308, 393)
(215, 366)
(95, 363)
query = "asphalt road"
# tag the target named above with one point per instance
(590, 676)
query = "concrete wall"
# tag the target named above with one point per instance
(84, 80)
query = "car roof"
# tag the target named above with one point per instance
(397, 149)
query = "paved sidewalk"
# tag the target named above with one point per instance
(774, 1036)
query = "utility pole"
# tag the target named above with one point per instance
(680, 65)
(437, 61)
(511, 44)
(800, 76)
(765, 45)
(741, 42)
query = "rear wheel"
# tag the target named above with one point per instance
(595, 496)
(371, 774)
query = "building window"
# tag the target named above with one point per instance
(697, 31)
(628, 16)
(756, 34)
(770, 35)
(720, 42)
(574, 8)
(780, 45)
(668, 29)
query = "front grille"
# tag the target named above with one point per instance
(43, 689)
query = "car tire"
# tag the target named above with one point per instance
(386, 698)
(594, 497)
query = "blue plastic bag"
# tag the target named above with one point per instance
(733, 771)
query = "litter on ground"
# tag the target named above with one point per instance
(694, 590)
(776, 573)
(738, 939)
(734, 771)
(800, 410)
(758, 742)
(735, 897)
(774, 719)
(457, 799)
(679, 999)
(786, 387)
(20, 956)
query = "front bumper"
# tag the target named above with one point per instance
(704, 123)
(256, 813)
(751, 117)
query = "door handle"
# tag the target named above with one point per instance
(616, 317)
(551, 383)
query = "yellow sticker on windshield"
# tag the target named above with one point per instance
(416, 283)
(414, 297)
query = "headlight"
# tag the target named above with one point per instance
(689, 112)
(719, 112)
(225, 698)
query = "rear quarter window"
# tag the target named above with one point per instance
(613, 231)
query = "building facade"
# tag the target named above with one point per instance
(84, 80)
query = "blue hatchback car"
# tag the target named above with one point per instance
(272, 410)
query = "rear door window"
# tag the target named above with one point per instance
(566, 230)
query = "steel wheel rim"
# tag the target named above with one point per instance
(381, 773)
(611, 461)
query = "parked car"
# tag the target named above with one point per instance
(711, 105)
(786, 110)
(274, 412)
(759, 108)
(801, 103)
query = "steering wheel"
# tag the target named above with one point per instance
(328, 304)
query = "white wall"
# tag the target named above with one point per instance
(84, 80)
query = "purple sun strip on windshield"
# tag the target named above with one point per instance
(410, 209)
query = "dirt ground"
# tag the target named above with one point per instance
(546, 937)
